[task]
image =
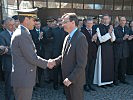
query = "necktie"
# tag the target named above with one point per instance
(11, 33)
(67, 43)
(90, 32)
(68, 39)
(38, 33)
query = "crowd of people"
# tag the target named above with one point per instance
(105, 49)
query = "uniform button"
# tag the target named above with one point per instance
(31, 70)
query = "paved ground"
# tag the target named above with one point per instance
(121, 92)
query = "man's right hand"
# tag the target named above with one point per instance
(111, 29)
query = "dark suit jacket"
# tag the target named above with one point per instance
(48, 40)
(25, 59)
(130, 43)
(5, 39)
(35, 38)
(59, 36)
(74, 59)
(2, 29)
(92, 46)
(121, 49)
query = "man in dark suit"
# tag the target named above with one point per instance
(130, 44)
(121, 51)
(48, 44)
(89, 31)
(73, 59)
(1, 72)
(5, 39)
(25, 59)
(37, 34)
(48, 39)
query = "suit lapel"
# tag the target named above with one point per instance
(36, 33)
(8, 34)
(64, 45)
(93, 31)
(88, 34)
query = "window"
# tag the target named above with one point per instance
(66, 3)
(88, 4)
(25, 4)
(40, 4)
(118, 4)
(10, 8)
(127, 4)
(53, 4)
(109, 4)
(99, 4)
(77, 5)
(109, 7)
(127, 8)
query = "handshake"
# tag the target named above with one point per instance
(51, 63)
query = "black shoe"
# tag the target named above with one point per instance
(103, 87)
(64, 92)
(124, 82)
(92, 88)
(37, 85)
(86, 88)
(55, 86)
(110, 85)
(48, 81)
(116, 83)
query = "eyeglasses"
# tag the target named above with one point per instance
(123, 20)
(64, 21)
(11, 25)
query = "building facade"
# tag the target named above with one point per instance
(81, 7)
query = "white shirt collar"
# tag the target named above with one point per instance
(89, 29)
(106, 24)
(37, 29)
(72, 33)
